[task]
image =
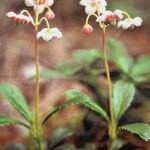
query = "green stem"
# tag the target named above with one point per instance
(112, 123)
(37, 124)
(88, 17)
(46, 21)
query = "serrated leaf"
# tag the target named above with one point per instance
(16, 98)
(6, 121)
(118, 55)
(141, 129)
(61, 71)
(141, 69)
(87, 57)
(81, 98)
(123, 94)
(75, 97)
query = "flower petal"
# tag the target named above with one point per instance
(50, 2)
(48, 35)
(29, 3)
(137, 21)
(89, 9)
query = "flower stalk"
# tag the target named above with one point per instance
(112, 123)
(47, 34)
(37, 125)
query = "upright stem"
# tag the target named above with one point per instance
(112, 123)
(37, 124)
(37, 86)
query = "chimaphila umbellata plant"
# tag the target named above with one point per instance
(121, 94)
(106, 19)
(121, 91)
(13, 95)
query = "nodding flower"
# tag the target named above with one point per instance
(91, 6)
(110, 18)
(87, 29)
(48, 34)
(49, 14)
(42, 4)
(105, 18)
(19, 18)
(130, 23)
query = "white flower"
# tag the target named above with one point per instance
(19, 18)
(129, 22)
(30, 3)
(102, 5)
(48, 35)
(42, 4)
(91, 6)
(108, 16)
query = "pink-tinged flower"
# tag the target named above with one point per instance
(42, 4)
(50, 14)
(109, 17)
(19, 18)
(48, 34)
(91, 6)
(87, 29)
(130, 23)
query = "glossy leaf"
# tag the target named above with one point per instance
(87, 57)
(16, 98)
(123, 94)
(85, 100)
(118, 55)
(75, 97)
(6, 121)
(141, 129)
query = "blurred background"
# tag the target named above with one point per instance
(17, 55)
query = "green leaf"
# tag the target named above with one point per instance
(61, 71)
(142, 66)
(141, 129)
(81, 98)
(16, 98)
(87, 57)
(6, 121)
(142, 78)
(141, 69)
(76, 97)
(118, 55)
(123, 94)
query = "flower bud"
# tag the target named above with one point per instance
(87, 29)
(50, 14)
